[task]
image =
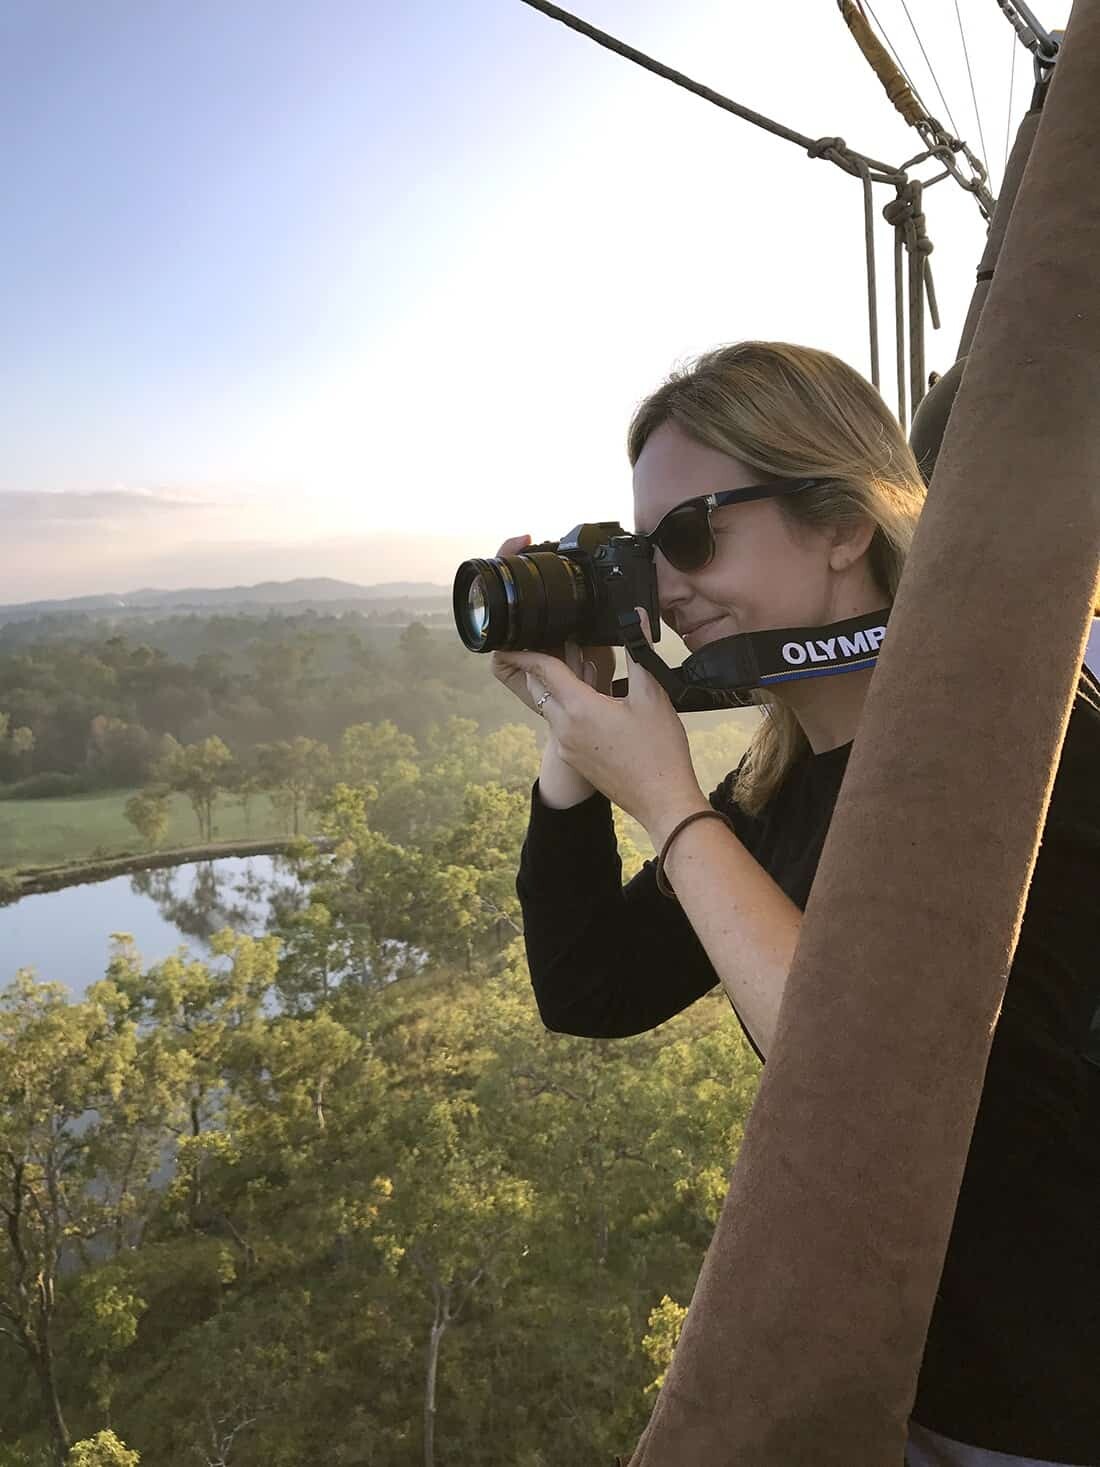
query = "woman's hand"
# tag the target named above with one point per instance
(506, 668)
(634, 749)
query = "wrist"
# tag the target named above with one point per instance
(560, 786)
(665, 820)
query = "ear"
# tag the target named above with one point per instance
(849, 542)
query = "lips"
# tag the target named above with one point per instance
(698, 627)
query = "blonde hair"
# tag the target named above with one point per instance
(794, 412)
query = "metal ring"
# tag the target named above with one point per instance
(541, 701)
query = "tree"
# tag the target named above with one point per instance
(294, 771)
(203, 1021)
(102, 1450)
(201, 772)
(22, 744)
(512, 757)
(19, 741)
(378, 758)
(470, 882)
(106, 1325)
(666, 1320)
(119, 753)
(147, 812)
(457, 1215)
(58, 1062)
(245, 788)
(375, 754)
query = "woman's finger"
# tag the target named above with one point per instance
(548, 675)
(573, 659)
(640, 681)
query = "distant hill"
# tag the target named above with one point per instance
(267, 593)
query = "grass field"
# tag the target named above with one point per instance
(81, 827)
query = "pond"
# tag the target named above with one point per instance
(66, 935)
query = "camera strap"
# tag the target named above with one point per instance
(724, 673)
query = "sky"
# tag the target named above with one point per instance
(359, 290)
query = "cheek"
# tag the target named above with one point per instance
(732, 576)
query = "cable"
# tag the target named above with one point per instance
(973, 93)
(928, 63)
(1008, 118)
(899, 87)
(903, 213)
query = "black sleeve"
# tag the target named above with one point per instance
(1041, 1093)
(606, 960)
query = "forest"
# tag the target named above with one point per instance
(87, 707)
(335, 1193)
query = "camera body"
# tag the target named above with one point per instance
(575, 589)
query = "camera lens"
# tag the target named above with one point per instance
(477, 608)
(527, 602)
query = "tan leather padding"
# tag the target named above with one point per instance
(807, 1327)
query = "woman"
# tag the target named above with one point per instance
(1011, 1369)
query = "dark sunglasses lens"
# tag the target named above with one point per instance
(684, 537)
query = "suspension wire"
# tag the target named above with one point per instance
(893, 52)
(904, 212)
(973, 93)
(896, 86)
(1008, 118)
(938, 142)
(928, 63)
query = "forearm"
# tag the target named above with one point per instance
(560, 786)
(747, 924)
(606, 960)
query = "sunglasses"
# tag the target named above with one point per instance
(685, 536)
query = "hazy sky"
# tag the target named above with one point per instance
(359, 289)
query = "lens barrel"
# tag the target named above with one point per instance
(527, 602)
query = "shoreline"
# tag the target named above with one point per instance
(34, 880)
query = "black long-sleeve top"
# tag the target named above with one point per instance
(1012, 1359)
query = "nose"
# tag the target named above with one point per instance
(673, 588)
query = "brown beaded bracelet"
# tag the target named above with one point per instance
(662, 883)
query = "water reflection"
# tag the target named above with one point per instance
(217, 895)
(66, 935)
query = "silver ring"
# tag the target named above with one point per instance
(541, 701)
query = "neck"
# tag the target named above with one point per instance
(827, 708)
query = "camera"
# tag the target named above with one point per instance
(576, 588)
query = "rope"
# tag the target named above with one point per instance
(973, 93)
(899, 321)
(903, 213)
(897, 89)
(872, 286)
(893, 52)
(835, 149)
(902, 91)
